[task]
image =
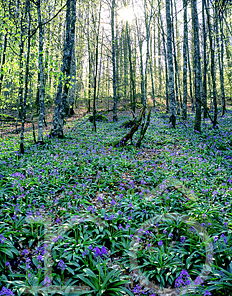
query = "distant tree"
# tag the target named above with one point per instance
(170, 66)
(197, 66)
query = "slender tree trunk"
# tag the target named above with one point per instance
(100, 70)
(175, 63)
(141, 67)
(197, 66)
(3, 61)
(166, 63)
(159, 61)
(228, 57)
(41, 72)
(170, 66)
(204, 83)
(115, 117)
(95, 72)
(27, 4)
(220, 50)
(131, 68)
(185, 62)
(212, 54)
(190, 80)
(125, 60)
(72, 90)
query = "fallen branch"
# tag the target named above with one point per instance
(129, 135)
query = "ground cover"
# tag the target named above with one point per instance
(151, 221)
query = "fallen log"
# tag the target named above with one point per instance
(130, 134)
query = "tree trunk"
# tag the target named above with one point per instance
(197, 66)
(41, 73)
(166, 63)
(204, 83)
(170, 66)
(3, 61)
(61, 98)
(185, 62)
(215, 111)
(115, 117)
(220, 50)
(27, 4)
(131, 68)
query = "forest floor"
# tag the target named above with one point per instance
(77, 211)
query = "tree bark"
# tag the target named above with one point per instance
(197, 66)
(170, 66)
(27, 4)
(115, 117)
(3, 61)
(185, 61)
(204, 82)
(213, 76)
(41, 78)
(61, 97)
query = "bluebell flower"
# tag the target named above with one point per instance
(160, 243)
(61, 265)
(2, 239)
(47, 281)
(6, 292)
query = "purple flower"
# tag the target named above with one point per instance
(103, 251)
(61, 265)
(120, 226)
(2, 238)
(224, 238)
(6, 292)
(226, 224)
(113, 202)
(160, 243)
(198, 280)
(182, 239)
(207, 293)
(97, 252)
(183, 279)
(215, 238)
(137, 289)
(47, 281)
(28, 261)
(40, 258)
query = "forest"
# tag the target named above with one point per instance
(116, 147)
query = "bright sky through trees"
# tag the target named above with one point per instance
(126, 14)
